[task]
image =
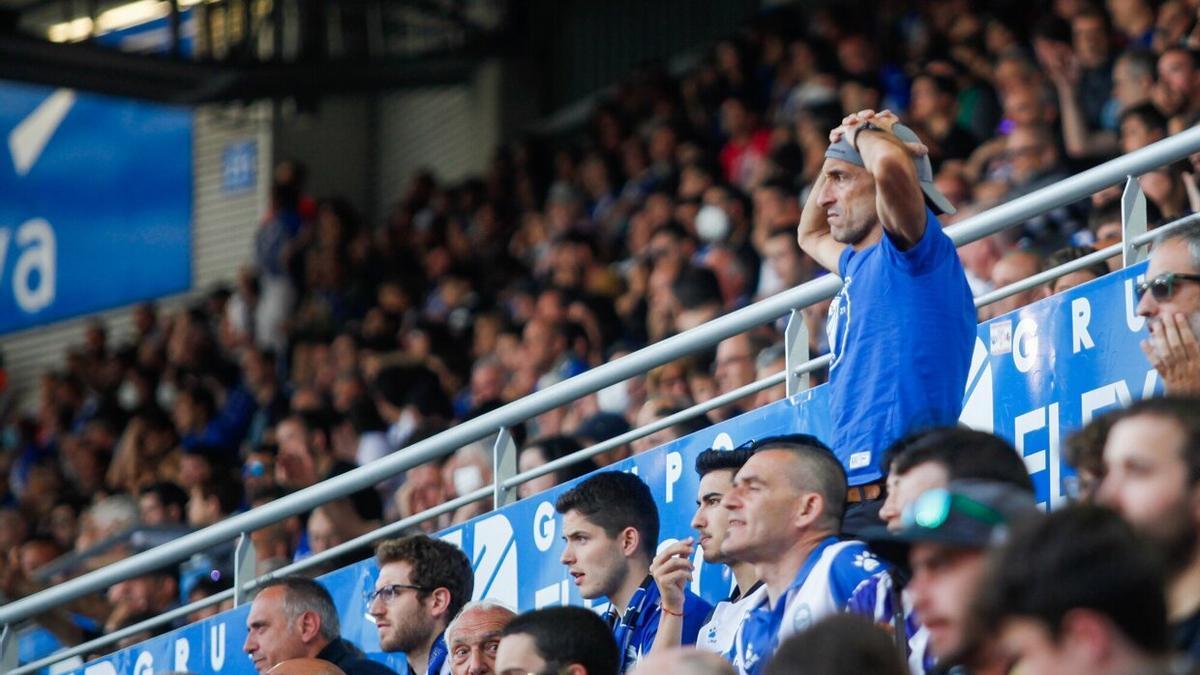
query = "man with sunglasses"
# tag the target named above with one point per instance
(918, 463)
(785, 511)
(423, 583)
(1169, 299)
(902, 328)
(944, 538)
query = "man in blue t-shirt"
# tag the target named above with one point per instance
(902, 328)
(610, 526)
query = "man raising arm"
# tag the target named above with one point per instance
(903, 291)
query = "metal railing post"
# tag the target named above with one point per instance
(1133, 222)
(245, 565)
(795, 346)
(9, 657)
(504, 467)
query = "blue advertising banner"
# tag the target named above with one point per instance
(1037, 374)
(95, 203)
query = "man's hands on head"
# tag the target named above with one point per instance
(884, 120)
(1174, 351)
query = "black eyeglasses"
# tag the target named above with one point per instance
(1162, 287)
(389, 593)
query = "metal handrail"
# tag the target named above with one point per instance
(979, 226)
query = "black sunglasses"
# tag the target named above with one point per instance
(1162, 287)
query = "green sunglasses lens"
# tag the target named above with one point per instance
(931, 509)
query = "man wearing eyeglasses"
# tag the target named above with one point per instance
(423, 583)
(1169, 298)
(944, 536)
(902, 328)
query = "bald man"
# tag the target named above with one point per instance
(684, 661)
(305, 667)
(474, 636)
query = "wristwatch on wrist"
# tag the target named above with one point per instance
(867, 126)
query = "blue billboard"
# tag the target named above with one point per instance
(95, 203)
(1038, 373)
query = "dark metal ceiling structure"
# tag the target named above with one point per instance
(239, 50)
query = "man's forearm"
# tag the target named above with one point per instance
(813, 222)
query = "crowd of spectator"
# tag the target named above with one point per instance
(347, 341)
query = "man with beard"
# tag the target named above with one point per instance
(1169, 298)
(422, 585)
(1152, 459)
(867, 220)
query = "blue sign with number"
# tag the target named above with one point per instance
(1037, 373)
(95, 203)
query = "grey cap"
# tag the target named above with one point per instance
(937, 201)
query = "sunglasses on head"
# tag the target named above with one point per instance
(933, 508)
(1162, 287)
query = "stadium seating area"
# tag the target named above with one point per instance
(348, 341)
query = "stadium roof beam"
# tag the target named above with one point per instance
(109, 71)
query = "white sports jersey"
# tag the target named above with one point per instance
(717, 635)
(822, 587)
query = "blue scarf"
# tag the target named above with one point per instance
(627, 628)
(759, 636)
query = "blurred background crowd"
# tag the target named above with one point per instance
(677, 202)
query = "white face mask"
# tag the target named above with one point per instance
(712, 224)
(165, 395)
(614, 398)
(128, 396)
(467, 479)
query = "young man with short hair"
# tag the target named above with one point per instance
(672, 569)
(945, 535)
(563, 640)
(423, 583)
(1078, 593)
(610, 526)
(922, 462)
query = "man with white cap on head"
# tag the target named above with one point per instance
(902, 328)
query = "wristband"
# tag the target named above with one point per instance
(868, 126)
(667, 611)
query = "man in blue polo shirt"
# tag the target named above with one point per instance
(902, 329)
(784, 511)
(610, 526)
